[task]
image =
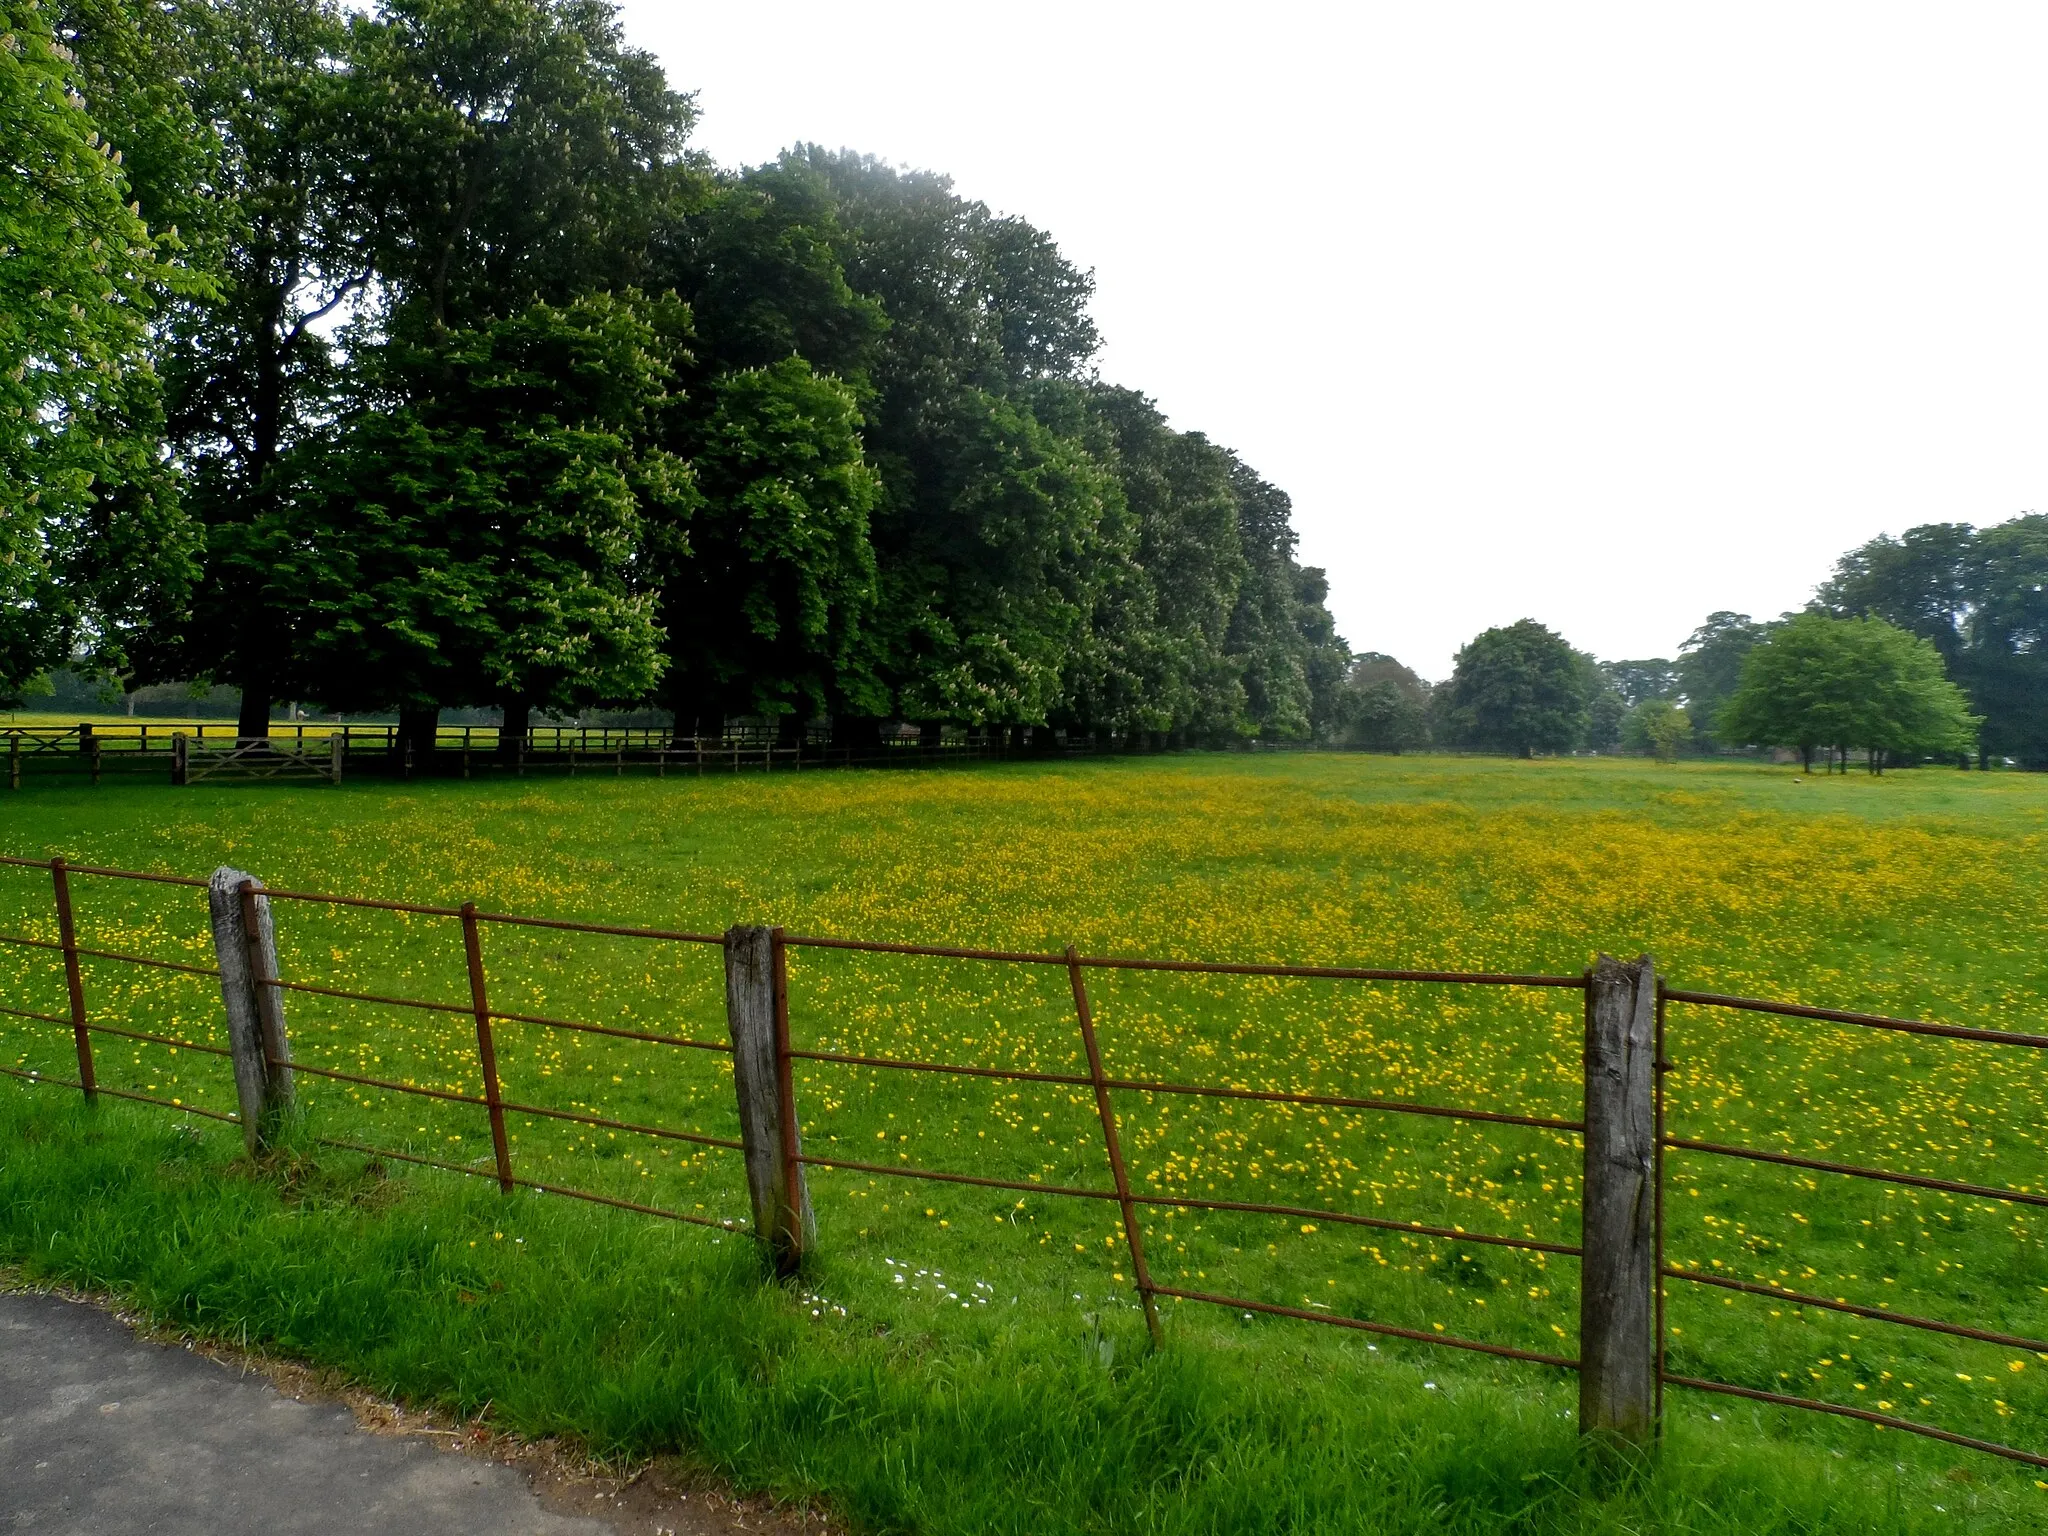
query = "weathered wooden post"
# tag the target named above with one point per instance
(757, 1013)
(14, 759)
(336, 751)
(1618, 1274)
(246, 946)
(181, 759)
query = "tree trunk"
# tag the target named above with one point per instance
(518, 724)
(930, 734)
(416, 726)
(858, 734)
(1806, 760)
(252, 720)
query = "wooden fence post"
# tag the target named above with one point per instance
(246, 946)
(757, 1013)
(1618, 1274)
(336, 750)
(181, 758)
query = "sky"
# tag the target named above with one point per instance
(1609, 316)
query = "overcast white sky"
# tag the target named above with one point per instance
(1606, 315)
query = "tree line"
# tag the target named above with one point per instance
(1930, 645)
(411, 358)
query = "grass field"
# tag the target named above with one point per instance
(932, 1312)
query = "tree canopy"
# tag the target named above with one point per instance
(1520, 688)
(1817, 681)
(1977, 596)
(487, 389)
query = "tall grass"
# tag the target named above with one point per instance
(637, 1337)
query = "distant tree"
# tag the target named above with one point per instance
(1518, 689)
(1923, 582)
(2006, 663)
(1326, 658)
(1383, 706)
(1975, 595)
(1605, 707)
(1636, 681)
(1847, 683)
(1265, 640)
(1656, 727)
(1709, 667)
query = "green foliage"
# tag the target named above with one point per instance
(252, 369)
(2006, 665)
(1848, 683)
(1636, 681)
(767, 608)
(521, 150)
(93, 537)
(1606, 706)
(1518, 689)
(920, 502)
(1383, 706)
(1976, 595)
(1710, 666)
(479, 544)
(1657, 727)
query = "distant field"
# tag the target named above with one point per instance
(1923, 894)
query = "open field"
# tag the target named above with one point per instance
(1920, 894)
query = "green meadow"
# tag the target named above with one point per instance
(961, 1359)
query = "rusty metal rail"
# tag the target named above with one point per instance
(1844, 1411)
(1877, 1314)
(1886, 1176)
(1883, 1176)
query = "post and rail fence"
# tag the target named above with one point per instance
(1625, 1276)
(192, 753)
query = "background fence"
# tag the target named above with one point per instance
(741, 1087)
(142, 746)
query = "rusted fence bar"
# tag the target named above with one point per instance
(1840, 1410)
(1862, 1020)
(1916, 1180)
(1447, 1340)
(74, 983)
(1106, 1111)
(486, 1048)
(1875, 1314)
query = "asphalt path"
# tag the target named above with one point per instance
(101, 1431)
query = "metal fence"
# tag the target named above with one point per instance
(759, 1047)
